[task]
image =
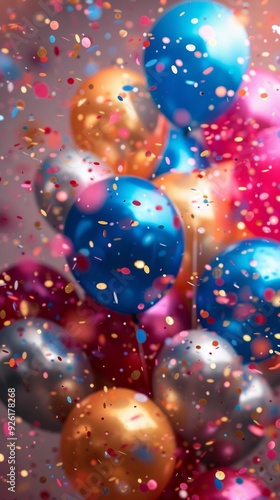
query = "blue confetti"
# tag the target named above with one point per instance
(141, 336)
(69, 399)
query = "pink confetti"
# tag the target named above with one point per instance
(41, 90)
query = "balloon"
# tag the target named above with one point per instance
(209, 227)
(113, 116)
(258, 178)
(182, 154)
(9, 69)
(256, 108)
(128, 243)
(202, 200)
(33, 289)
(229, 484)
(60, 181)
(197, 54)
(237, 435)
(118, 434)
(48, 377)
(195, 382)
(238, 295)
(270, 370)
(112, 340)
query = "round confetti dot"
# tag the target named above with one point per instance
(152, 484)
(41, 90)
(54, 25)
(86, 42)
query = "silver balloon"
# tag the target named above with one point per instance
(60, 181)
(48, 378)
(237, 436)
(196, 382)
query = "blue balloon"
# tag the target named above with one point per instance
(9, 69)
(194, 64)
(182, 155)
(128, 243)
(239, 296)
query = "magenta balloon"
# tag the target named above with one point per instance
(165, 319)
(257, 176)
(234, 486)
(256, 108)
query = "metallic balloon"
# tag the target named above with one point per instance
(128, 243)
(60, 180)
(113, 116)
(48, 377)
(238, 295)
(119, 444)
(31, 289)
(257, 180)
(238, 434)
(195, 382)
(201, 198)
(271, 370)
(256, 107)
(182, 154)
(229, 484)
(195, 68)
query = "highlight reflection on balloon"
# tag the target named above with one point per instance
(32, 289)
(195, 382)
(60, 181)
(128, 243)
(229, 484)
(238, 295)
(238, 434)
(118, 443)
(194, 68)
(113, 116)
(48, 375)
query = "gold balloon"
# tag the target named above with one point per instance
(118, 443)
(203, 200)
(113, 116)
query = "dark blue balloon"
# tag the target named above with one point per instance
(182, 154)
(127, 243)
(239, 296)
(194, 64)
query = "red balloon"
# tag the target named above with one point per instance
(31, 289)
(256, 108)
(235, 485)
(257, 176)
(112, 342)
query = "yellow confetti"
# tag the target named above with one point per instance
(220, 475)
(101, 286)
(69, 288)
(139, 264)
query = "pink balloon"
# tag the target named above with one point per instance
(256, 108)
(165, 319)
(235, 486)
(257, 175)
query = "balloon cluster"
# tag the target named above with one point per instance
(156, 234)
